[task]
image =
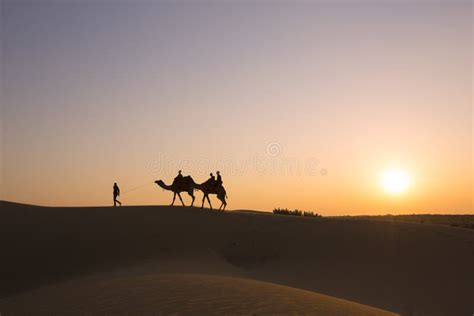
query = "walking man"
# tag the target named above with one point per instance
(116, 194)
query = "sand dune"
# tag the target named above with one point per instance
(196, 294)
(412, 269)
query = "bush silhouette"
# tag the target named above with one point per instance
(310, 213)
(296, 212)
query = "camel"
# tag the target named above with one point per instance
(209, 188)
(187, 184)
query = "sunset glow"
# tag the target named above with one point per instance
(299, 104)
(395, 181)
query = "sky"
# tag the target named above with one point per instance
(299, 104)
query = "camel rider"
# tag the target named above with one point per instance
(219, 179)
(212, 179)
(179, 176)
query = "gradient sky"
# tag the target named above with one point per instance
(299, 104)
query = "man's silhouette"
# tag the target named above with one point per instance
(212, 179)
(219, 179)
(179, 176)
(116, 194)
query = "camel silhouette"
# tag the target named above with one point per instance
(210, 188)
(187, 184)
(184, 184)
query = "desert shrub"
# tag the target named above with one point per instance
(296, 212)
(311, 213)
(282, 211)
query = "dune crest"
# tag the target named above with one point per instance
(187, 293)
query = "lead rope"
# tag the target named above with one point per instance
(136, 188)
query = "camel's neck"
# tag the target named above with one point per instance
(165, 186)
(199, 186)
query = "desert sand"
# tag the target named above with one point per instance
(197, 294)
(161, 259)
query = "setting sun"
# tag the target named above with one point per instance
(395, 181)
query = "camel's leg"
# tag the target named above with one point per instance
(210, 205)
(223, 204)
(179, 195)
(192, 195)
(203, 198)
(174, 197)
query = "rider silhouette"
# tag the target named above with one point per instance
(212, 179)
(179, 176)
(219, 179)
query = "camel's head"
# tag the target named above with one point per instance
(162, 185)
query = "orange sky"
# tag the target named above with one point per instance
(298, 105)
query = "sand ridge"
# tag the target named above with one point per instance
(188, 294)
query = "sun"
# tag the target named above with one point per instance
(395, 181)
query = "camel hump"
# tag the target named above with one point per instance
(189, 179)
